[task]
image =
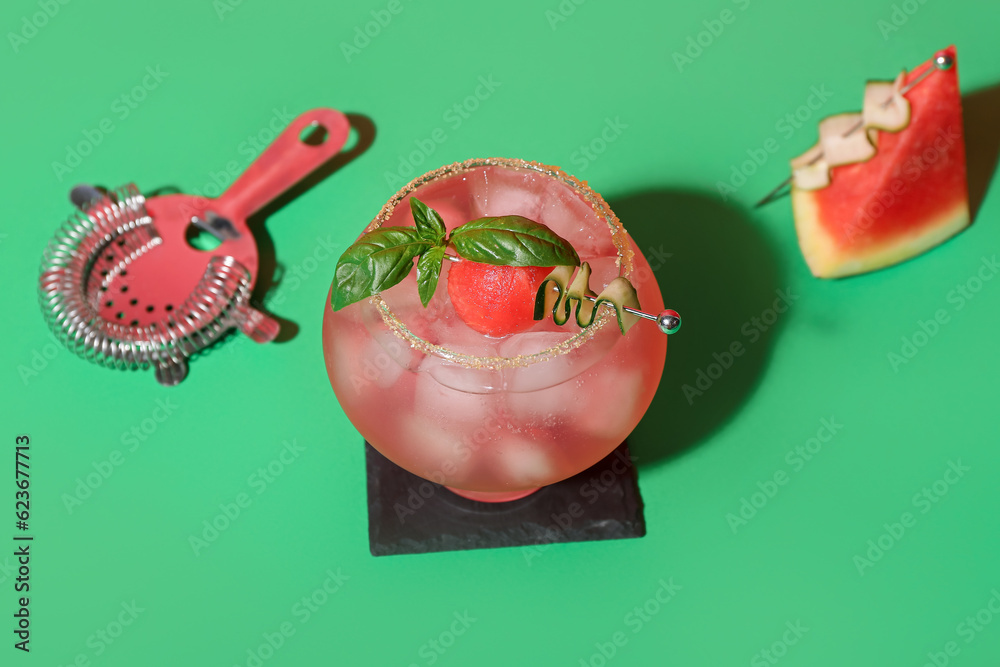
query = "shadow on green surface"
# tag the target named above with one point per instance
(721, 272)
(271, 271)
(981, 117)
(980, 111)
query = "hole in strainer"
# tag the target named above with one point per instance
(313, 134)
(199, 239)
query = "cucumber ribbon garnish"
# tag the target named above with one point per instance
(576, 295)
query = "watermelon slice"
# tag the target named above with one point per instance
(908, 197)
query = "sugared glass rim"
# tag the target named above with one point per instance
(619, 236)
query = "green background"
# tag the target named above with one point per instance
(228, 67)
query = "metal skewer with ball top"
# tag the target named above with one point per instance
(942, 61)
(669, 321)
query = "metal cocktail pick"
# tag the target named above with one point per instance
(669, 321)
(942, 61)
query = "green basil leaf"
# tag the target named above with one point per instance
(428, 221)
(375, 262)
(428, 272)
(513, 241)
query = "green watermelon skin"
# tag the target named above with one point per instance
(911, 196)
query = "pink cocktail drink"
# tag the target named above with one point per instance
(496, 418)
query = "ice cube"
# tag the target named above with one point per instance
(532, 342)
(543, 407)
(452, 334)
(529, 372)
(404, 299)
(566, 213)
(341, 346)
(602, 271)
(607, 400)
(505, 191)
(525, 463)
(551, 368)
(386, 357)
(428, 447)
(450, 198)
(465, 425)
(451, 400)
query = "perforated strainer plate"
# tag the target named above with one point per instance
(121, 285)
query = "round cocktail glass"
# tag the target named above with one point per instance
(494, 419)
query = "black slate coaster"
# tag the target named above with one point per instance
(409, 515)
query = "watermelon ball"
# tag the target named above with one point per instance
(495, 300)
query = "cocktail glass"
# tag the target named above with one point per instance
(494, 419)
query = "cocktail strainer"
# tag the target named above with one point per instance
(122, 285)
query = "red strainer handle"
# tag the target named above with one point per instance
(285, 162)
